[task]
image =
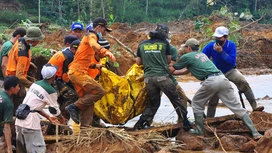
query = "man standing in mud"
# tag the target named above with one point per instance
(154, 55)
(223, 54)
(20, 58)
(214, 83)
(78, 74)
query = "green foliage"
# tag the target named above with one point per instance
(3, 35)
(64, 12)
(39, 50)
(202, 24)
(111, 19)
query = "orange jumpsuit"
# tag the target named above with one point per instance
(88, 89)
(19, 59)
(62, 59)
(93, 72)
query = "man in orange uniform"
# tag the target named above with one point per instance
(65, 57)
(19, 60)
(62, 84)
(78, 73)
(95, 66)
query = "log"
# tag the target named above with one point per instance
(123, 45)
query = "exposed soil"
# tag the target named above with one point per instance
(254, 54)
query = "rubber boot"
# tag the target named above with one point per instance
(74, 112)
(248, 122)
(199, 124)
(97, 122)
(187, 125)
(139, 125)
(251, 98)
(211, 110)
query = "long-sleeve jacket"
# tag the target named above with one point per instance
(224, 61)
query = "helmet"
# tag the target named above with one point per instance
(34, 34)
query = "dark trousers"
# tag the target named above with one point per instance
(154, 86)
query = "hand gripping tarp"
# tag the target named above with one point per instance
(124, 96)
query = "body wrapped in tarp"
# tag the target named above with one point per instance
(124, 98)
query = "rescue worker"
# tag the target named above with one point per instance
(78, 74)
(20, 58)
(154, 55)
(174, 56)
(62, 84)
(29, 134)
(11, 86)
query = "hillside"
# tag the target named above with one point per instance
(254, 50)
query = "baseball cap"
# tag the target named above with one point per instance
(220, 32)
(77, 25)
(182, 46)
(192, 42)
(69, 39)
(48, 71)
(89, 27)
(34, 34)
(103, 22)
(75, 44)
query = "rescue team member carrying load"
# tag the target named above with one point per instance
(78, 74)
(154, 55)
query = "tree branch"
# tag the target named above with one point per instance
(120, 43)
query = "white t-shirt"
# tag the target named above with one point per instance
(40, 94)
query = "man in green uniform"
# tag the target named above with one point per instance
(214, 82)
(174, 57)
(11, 86)
(154, 55)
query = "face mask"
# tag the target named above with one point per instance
(30, 44)
(99, 34)
(219, 42)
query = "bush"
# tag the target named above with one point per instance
(41, 51)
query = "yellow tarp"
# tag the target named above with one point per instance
(124, 96)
